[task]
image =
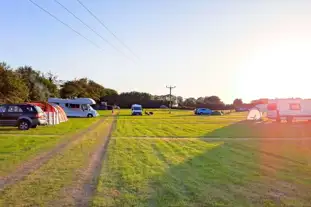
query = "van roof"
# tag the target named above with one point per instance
(72, 101)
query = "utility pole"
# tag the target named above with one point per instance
(170, 105)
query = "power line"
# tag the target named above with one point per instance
(90, 28)
(105, 26)
(67, 25)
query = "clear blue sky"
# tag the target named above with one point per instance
(234, 49)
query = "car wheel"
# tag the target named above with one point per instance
(23, 125)
(200, 113)
(89, 116)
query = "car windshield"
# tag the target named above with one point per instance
(136, 108)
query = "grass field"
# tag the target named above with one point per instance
(177, 124)
(197, 173)
(185, 124)
(167, 160)
(45, 185)
(17, 146)
(163, 171)
(16, 149)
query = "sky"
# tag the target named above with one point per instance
(245, 49)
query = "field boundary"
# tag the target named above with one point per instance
(35, 163)
(217, 138)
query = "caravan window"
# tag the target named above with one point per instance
(294, 106)
(73, 106)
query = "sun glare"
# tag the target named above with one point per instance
(280, 69)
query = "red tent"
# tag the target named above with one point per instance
(55, 114)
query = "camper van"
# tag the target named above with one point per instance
(288, 109)
(78, 107)
(137, 109)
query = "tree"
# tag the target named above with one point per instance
(200, 100)
(212, 100)
(190, 102)
(179, 100)
(237, 102)
(12, 88)
(40, 87)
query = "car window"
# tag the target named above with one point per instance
(2, 108)
(29, 108)
(12, 109)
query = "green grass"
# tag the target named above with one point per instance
(185, 124)
(71, 126)
(177, 124)
(192, 172)
(16, 149)
(45, 185)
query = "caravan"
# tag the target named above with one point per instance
(283, 109)
(78, 107)
(289, 109)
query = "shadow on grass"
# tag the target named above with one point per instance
(249, 129)
(239, 173)
(251, 173)
(232, 174)
(214, 178)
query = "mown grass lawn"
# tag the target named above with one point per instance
(45, 186)
(16, 149)
(176, 124)
(71, 126)
(183, 172)
(17, 146)
(185, 124)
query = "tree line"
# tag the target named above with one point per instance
(25, 84)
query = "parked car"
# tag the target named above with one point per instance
(202, 111)
(24, 116)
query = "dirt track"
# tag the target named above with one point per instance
(81, 191)
(35, 163)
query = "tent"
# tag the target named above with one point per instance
(254, 114)
(55, 114)
(61, 113)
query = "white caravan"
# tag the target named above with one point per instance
(78, 107)
(287, 109)
(137, 109)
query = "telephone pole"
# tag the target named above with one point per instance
(170, 105)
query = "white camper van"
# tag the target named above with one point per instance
(137, 109)
(289, 109)
(78, 107)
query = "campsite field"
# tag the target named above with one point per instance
(192, 172)
(168, 160)
(176, 159)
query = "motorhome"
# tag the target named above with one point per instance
(78, 107)
(287, 109)
(137, 109)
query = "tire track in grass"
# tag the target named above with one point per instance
(82, 190)
(35, 163)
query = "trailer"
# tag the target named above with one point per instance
(290, 110)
